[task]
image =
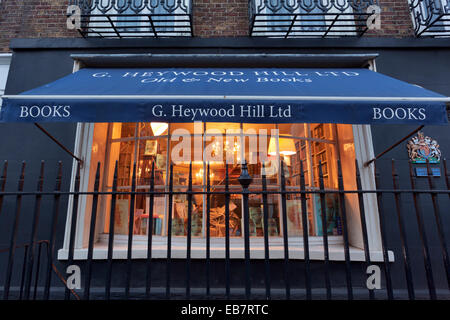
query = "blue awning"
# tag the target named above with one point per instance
(271, 95)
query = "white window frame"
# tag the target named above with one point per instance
(5, 62)
(364, 152)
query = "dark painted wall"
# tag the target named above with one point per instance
(30, 68)
(429, 69)
(25, 142)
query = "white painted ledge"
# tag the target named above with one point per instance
(198, 249)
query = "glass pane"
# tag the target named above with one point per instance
(123, 130)
(293, 129)
(223, 126)
(333, 220)
(324, 153)
(153, 129)
(258, 126)
(256, 214)
(123, 153)
(220, 149)
(294, 215)
(122, 214)
(260, 148)
(217, 214)
(125, 156)
(181, 174)
(152, 151)
(180, 213)
(189, 127)
(323, 131)
(298, 161)
(142, 214)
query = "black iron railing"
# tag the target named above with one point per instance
(309, 18)
(30, 273)
(135, 18)
(431, 17)
(423, 202)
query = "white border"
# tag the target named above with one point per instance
(5, 60)
(178, 249)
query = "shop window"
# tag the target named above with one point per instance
(148, 144)
(137, 142)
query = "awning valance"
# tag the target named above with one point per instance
(270, 95)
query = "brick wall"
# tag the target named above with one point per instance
(220, 18)
(32, 19)
(395, 20)
(212, 18)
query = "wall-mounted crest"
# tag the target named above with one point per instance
(422, 148)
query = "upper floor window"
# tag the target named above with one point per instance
(135, 18)
(431, 17)
(309, 18)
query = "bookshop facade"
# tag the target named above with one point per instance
(269, 116)
(180, 126)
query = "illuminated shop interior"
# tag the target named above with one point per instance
(155, 144)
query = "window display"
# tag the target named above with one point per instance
(223, 146)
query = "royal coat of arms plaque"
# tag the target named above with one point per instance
(422, 148)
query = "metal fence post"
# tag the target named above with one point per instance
(12, 243)
(245, 180)
(33, 233)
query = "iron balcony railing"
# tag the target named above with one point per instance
(135, 18)
(310, 18)
(415, 207)
(431, 18)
